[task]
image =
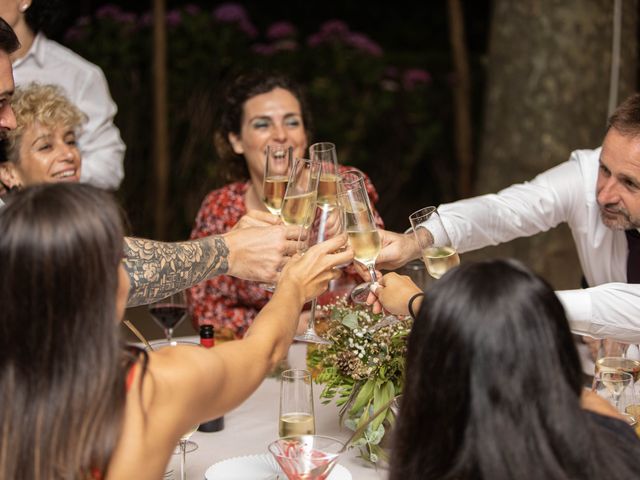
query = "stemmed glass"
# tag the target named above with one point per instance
(327, 223)
(361, 229)
(302, 190)
(184, 443)
(169, 312)
(611, 384)
(325, 153)
(309, 457)
(615, 356)
(276, 176)
(438, 253)
(296, 404)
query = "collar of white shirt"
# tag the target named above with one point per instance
(37, 51)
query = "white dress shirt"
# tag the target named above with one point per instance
(565, 193)
(85, 85)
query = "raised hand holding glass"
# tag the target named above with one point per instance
(438, 253)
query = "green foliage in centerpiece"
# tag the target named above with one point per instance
(363, 369)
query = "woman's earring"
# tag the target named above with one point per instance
(23, 7)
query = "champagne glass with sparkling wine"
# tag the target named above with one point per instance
(276, 176)
(327, 223)
(361, 229)
(438, 253)
(302, 189)
(325, 153)
(296, 404)
(169, 312)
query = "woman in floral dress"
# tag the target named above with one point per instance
(258, 110)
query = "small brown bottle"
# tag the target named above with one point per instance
(207, 340)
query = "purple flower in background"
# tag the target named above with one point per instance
(108, 11)
(247, 27)
(230, 12)
(413, 77)
(286, 45)
(336, 28)
(174, 18)
(282, 29)
(316, 39)
(363, 43)
(263, 49)
(75, 34)
(192, 9)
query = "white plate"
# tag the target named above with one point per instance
(259, 467)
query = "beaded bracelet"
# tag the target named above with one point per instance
(410, 306)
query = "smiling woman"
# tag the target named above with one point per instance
(42, 149)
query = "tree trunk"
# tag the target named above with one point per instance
(548, 86)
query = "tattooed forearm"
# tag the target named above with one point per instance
(158, 269)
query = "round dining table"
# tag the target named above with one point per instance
(250, 428)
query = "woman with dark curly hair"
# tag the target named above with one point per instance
(493, 386)
(256, 110)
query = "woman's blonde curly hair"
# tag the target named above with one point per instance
(44, 104)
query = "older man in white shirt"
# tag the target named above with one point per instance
(597, 193)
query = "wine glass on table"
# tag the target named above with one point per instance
(611, 385)
(184, 444)
(326, 223)
(325, 153)
(296, 404)
(438, 253)
(169, 312)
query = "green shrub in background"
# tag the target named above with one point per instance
(382, 110)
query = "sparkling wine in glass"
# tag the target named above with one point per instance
(276, 176)
(617, 356)
(361, 229)
(169, 312)
(327, 223)
(296, 403)
(438, 253)
(611, 385)
(325, 153)
(302, 190)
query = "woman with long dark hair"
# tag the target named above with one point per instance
(75, 403)
(493, 384)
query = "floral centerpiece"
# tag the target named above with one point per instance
(363, 369)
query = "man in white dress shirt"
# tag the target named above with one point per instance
(597, 193)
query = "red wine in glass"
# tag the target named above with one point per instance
(168, 316)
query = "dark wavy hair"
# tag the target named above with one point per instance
(493, 383)
(230, 112)
(62, 366)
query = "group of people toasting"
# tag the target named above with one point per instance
(493, 381)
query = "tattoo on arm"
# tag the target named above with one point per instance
(158, 269)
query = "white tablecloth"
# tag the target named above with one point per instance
(254, 424)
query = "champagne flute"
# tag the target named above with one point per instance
(185, 445)
(169, 312)
(301, 193)
(276, 176)
(325, 153)
(361, 230)
(296, 404)
(327, 223)
(438, 253)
